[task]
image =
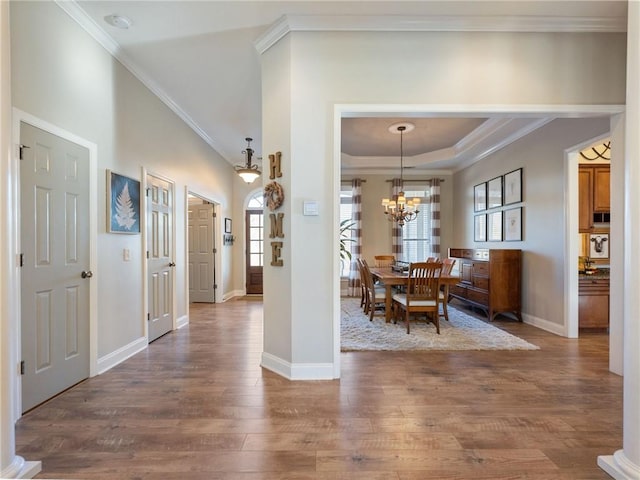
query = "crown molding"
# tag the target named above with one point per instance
(71, 8)
(436, 23)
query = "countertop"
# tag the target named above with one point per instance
(599, 274)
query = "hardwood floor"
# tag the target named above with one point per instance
(196, 405)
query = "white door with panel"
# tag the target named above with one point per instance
(55, 275)
(202, 276)
(160, 265)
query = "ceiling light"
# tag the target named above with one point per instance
(399, 209)
(248, 172)
(118, 21)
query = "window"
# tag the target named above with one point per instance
(255, 230)
(416, 235)
(346, 197)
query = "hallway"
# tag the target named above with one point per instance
(196, 405)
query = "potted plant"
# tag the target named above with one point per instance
(345, 239)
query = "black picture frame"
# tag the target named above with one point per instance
(227, 225)
(123, 204)
(494, 226)
(494, 192)
(513, 225)
(513, 187)
(480, 228)
(480, 197)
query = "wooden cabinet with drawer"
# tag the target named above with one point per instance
(593, 303)
(489, 279)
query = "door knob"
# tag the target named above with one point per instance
(172, 264)
(88, 274)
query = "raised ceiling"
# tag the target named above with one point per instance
(200, 58)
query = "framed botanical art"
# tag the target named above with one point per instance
(123, 204)
(513, 187)
(494, 192)
(513, 225)
(480, 197)
(494, 226)
(480, 228)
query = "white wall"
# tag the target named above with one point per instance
(438, 69)
(61, 75)
(541, 155)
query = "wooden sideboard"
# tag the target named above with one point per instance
(489, 279)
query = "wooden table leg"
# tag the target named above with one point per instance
(387, 303)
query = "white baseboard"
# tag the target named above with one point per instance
(19, 468)
(545, 325)
(182, 321)
(114, 358)
(232, 294)
(299, 371)
(618, 466)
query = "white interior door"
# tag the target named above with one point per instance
(55, 276)
(201, 253)
(160, 255)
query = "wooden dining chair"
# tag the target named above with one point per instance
(422, 294)
(384, 260)
(447, 267)
(363, 288)
(375, 294)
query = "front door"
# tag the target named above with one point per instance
(160, 255)
(255, 254)
(55, 276)
(201, 253)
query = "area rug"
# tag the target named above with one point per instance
(461, 332)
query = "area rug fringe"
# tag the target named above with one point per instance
(462, 332)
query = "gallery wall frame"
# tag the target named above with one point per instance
(227, 225)
(123, 204)
(480, 197)
(480, 228)
(513, 187)
(494, 192)
(494, 226)
(513, 224)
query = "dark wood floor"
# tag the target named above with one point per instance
(196, 405)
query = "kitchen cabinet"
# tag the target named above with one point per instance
(593, 303)
(593, 195)
(489, 279)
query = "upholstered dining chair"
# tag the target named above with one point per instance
(422, 294)
(375, 294)
(384, 260)
(447, 267)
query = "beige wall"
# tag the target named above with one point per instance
(541, 155)
(439, 71)
(376, 229)
(62, 76)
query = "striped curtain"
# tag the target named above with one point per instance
(435, 217)
(356, 235)
(396, 230)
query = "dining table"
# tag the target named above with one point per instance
(391, 278)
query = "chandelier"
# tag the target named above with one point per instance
(248, 172)
(399, 209)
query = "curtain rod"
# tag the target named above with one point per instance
(418, 180)
(363, 180)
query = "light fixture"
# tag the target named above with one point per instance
(248, 172)
(399, 209)
(118, 21)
